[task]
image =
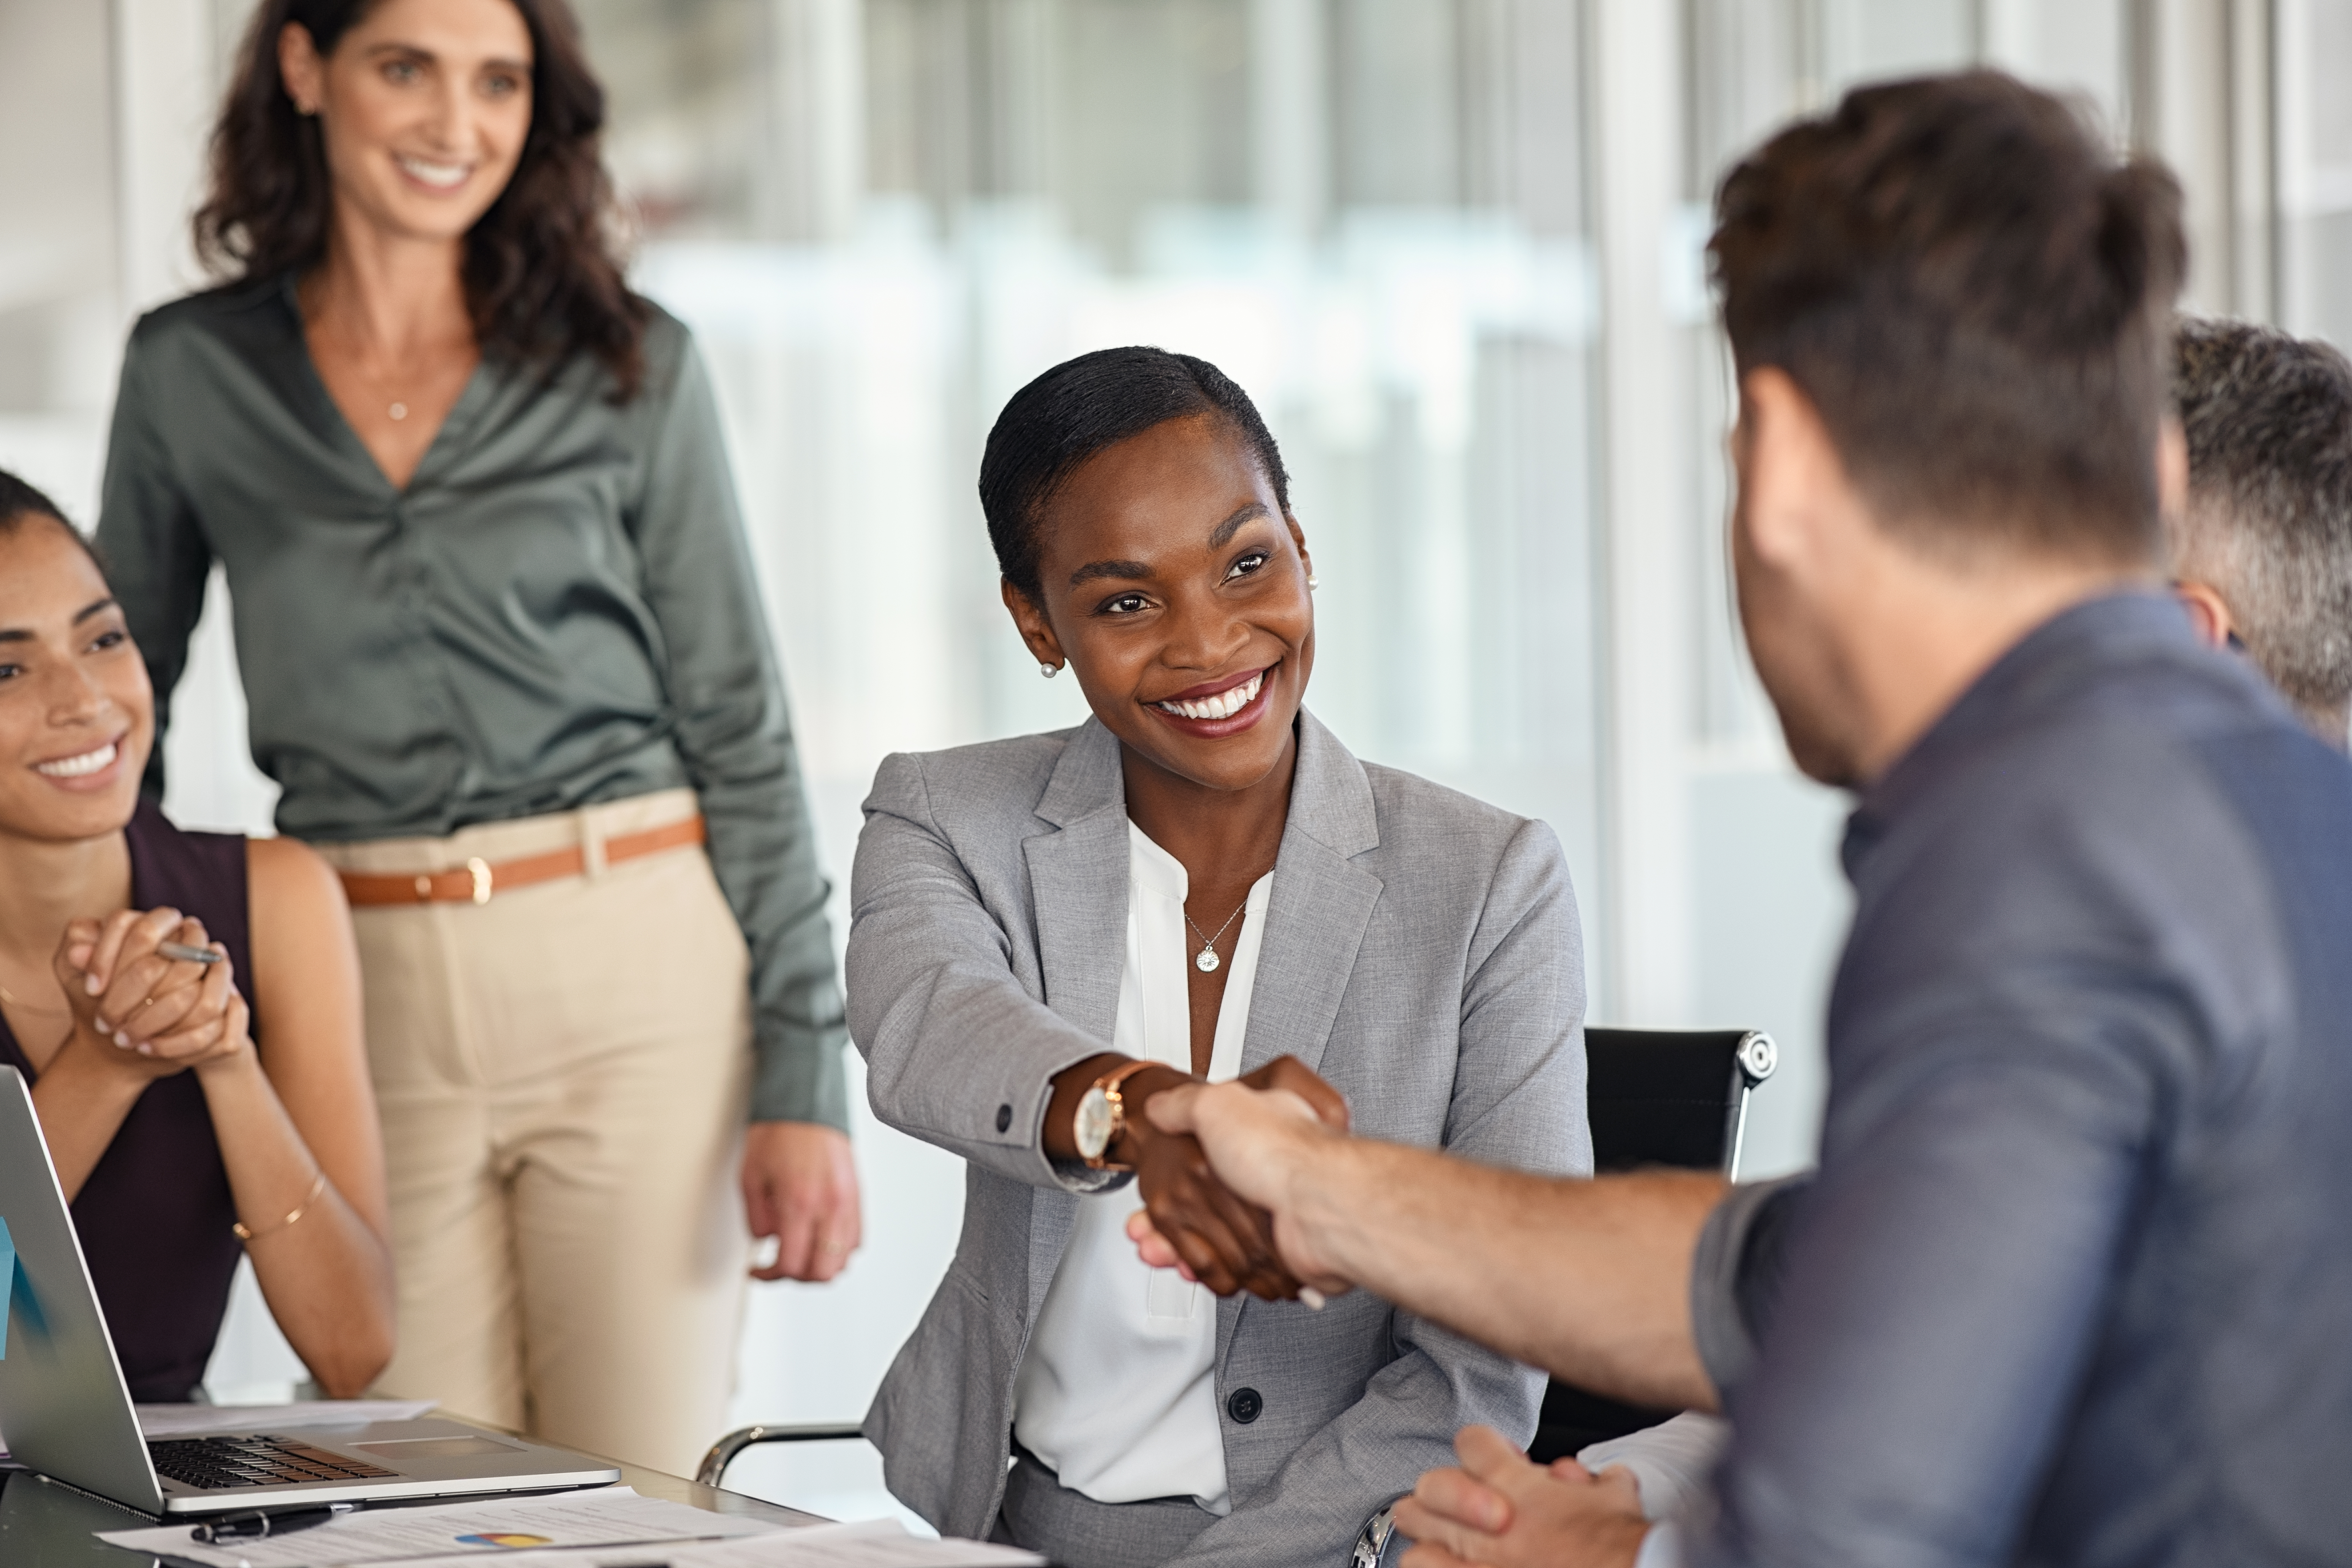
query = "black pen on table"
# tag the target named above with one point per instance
(263, 1523)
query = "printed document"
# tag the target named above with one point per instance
(877, 1543)
(599, 1516)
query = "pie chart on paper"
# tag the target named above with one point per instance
(510, 1539)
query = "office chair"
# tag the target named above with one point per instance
(1653, 1097)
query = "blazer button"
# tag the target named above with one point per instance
(1244, 1404)
(1003, 1117)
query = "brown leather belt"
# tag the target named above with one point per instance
(477, 879)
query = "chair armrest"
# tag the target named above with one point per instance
(712, 1472)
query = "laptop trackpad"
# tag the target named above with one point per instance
(400, 1451)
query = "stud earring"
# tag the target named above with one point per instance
(1049, 671)
(1311, 583)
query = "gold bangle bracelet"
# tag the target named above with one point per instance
(296, 1213)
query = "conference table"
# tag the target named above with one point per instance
(43, 1525)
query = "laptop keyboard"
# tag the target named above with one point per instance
(212, 1463)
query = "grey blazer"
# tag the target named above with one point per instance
(1421, 952)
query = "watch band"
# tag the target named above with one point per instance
(1107, 1086)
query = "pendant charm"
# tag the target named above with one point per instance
(398, 411)
(1206, 961)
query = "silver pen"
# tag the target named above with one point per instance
(186, 954)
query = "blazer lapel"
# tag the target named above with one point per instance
(1315, 919)
(1078, 882)
(1077, 887)
(1321, 906)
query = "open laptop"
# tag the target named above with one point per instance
(66, 1413)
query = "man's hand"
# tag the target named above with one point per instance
(1212, 1234)
(1220, 1239)
(1502, 1509)
(800, 1185)
(1258, 1132)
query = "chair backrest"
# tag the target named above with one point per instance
(1679, 1098)
(1654, 1097)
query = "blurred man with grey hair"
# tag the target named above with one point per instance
(2263, 554)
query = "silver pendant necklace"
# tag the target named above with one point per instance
(1206, 960)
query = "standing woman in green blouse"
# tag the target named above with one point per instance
(501, 649)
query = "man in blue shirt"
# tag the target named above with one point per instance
(2071, 1283)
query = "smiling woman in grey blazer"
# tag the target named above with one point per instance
(1199, 881)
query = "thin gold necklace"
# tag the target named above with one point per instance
(393, 403)
(396, 405)
(13, 1000)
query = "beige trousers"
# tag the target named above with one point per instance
(563, 1074)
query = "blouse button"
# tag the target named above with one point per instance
(1245, 1405)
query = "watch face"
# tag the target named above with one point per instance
(1092, 1127)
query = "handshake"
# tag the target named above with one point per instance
(1220, 1166)
(1255, 1185)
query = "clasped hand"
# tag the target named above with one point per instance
(1252, 1138)
(141, 1011)
(1198, 1222)
(1502, 1509)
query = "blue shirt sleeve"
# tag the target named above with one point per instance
(1938, 1287)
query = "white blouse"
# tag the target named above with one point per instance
(1117, 1392)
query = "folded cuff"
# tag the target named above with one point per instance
(801, 1080)
(1733, 1275)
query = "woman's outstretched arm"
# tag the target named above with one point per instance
(962, 1057)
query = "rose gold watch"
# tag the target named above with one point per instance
(1102, 1114)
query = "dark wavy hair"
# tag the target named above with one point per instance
(20, 501)
(542, 275)
(1079, 407)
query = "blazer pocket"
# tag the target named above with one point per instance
(963, 1278)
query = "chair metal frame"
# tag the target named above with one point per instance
(712, 1471)
(1753, 1058)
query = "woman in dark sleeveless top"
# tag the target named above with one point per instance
(179, 1139)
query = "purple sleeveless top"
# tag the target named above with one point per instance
(154, 1214)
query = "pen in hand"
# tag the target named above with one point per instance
(186, 954)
